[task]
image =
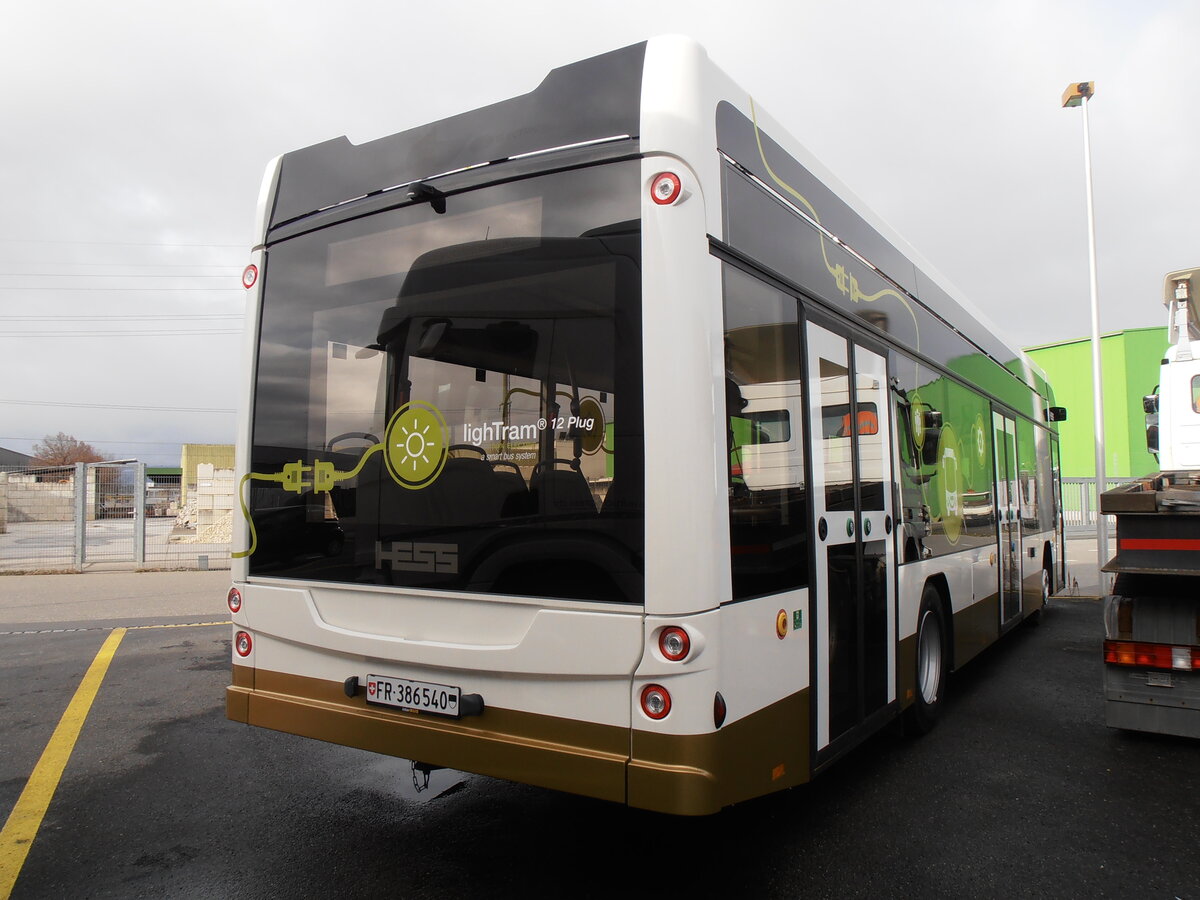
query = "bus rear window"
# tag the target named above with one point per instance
(453, 401)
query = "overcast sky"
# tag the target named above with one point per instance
(133, 138)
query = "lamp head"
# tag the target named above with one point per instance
(1077, 92)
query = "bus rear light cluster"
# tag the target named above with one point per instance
(1152, 656)
(674, 643)
(656, 702)
(249, 276)
(234, 599)
(666, 188)
(242, 643)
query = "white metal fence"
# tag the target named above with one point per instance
(89, 515)
(1081, 504)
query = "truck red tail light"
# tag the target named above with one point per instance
(1151, 656)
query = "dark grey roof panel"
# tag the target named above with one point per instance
(589, 100)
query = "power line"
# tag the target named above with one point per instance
(122, 318)
(116, 243)
(104, 275)
(160, 290)
(128, 265)
(117, 406)
(103, 333)
(116, 443)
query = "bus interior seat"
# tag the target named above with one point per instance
(514, 495)
(561, 491)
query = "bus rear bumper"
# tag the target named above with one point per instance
(676, 774)
(561, 754)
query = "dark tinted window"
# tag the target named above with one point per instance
(454, 401)
(768, 512)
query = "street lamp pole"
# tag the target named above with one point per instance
(1078, 94)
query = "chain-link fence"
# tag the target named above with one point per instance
(97, 515)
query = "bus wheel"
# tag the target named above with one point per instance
(931, 663)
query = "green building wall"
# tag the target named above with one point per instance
(1130, 366)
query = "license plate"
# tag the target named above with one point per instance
(1158, 679)
(421, 696)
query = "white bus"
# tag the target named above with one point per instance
(510, 504)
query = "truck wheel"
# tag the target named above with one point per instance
(931, 663)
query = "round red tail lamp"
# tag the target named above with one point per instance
(234, 599)
(656, 702)
(674, 643)
(666, 188)
(242, 643)
(250, 276)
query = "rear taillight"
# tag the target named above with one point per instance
(1151, 656)
(242, 643)
(666, 188)
(674, 643)
(656, 702)
(234, 599)
(249, 276)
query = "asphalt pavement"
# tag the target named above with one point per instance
(31, 602)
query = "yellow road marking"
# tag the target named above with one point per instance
(180, 625)
(26, 818)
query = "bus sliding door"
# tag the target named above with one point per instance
(854, 597)
(1008, 517)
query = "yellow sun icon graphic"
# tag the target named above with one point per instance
(416, 445)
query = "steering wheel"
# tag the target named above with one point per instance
(351, 435)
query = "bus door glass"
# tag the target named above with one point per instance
(854, 604)
(1008, 516)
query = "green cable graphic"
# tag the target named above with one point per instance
(415, 448)
(847, 284)
(324, 477)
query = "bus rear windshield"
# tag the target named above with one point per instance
(453, 400)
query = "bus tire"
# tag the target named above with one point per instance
(1035, 617)
(931, 665)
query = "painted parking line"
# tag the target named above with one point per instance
(26, 817)
(109, 628)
